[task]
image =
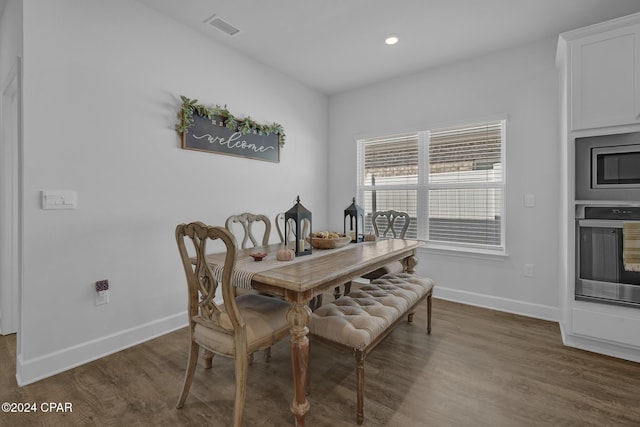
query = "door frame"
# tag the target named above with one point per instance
(11, 199)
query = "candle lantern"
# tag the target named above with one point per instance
(298, 218)
(354, 222)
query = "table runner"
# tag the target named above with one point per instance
(246, 267)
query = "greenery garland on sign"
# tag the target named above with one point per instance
(244, 126)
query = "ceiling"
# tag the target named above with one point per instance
(337, 45)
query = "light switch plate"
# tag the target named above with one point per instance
(528, 270)
(529, 200)
(59, 199)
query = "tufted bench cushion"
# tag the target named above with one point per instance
(357, 319)
(360, 320)
(353, 320)
(407, 286)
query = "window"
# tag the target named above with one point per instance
(450, 181)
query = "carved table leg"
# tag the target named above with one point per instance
(298, 317)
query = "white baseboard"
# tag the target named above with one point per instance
(537, 311)
(32, 370)
(609, 349)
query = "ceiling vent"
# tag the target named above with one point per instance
(216, 22)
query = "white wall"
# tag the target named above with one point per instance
(11, 37)
(101, 92)
(521, 83)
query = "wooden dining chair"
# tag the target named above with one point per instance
(236, 328)
(386, 224)
(389, 224)
(247, 221)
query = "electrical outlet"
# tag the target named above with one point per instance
(528, 270)
(102, 297)
(102, 292)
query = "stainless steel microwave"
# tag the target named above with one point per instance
(615, 166)
(608, 167)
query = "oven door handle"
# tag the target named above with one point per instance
(600, 223)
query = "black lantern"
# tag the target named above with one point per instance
(301, 223)
(355, 216)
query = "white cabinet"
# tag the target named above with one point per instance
(604, 83)
(600, 94)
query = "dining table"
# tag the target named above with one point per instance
(299, 280)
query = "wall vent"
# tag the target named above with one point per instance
(217, 22)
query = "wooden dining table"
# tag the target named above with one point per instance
(300, 280)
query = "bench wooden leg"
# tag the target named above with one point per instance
(360, 355)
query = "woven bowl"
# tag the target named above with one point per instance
(329, 243)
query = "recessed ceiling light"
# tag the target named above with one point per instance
(391, 40)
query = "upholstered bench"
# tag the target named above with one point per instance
(361, 320)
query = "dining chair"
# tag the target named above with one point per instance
(237, 327)
(389, 224)
(385, 224)
(247, 221)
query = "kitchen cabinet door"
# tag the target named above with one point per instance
(605, 79)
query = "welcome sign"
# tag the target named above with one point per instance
(213, 136)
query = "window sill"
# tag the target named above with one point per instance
(479, 253)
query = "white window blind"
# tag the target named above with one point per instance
(389, 178)
(466, 185)
(450, 181)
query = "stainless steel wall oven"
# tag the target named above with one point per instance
(600, 271)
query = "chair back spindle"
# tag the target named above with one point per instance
(393, 222)
(247, 221)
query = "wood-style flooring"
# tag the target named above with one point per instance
(478, 368)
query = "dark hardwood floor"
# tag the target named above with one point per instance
(478, 368)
